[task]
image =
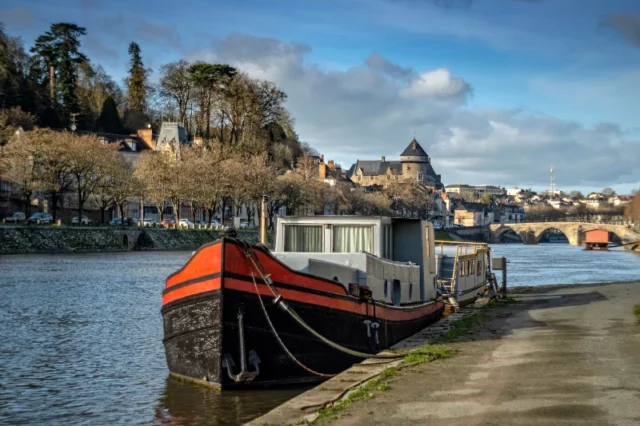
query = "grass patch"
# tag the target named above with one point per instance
(460, 328)
(636, 311)
(443, 236)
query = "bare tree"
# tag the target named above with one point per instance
(24, 156)
(176, 84)
(85, 161)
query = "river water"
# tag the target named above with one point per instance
(81, 336)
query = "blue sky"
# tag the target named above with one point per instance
(567, 65)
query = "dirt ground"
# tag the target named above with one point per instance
(561, 356)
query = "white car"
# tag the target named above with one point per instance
(215, 223)
(185, 223)
(149, 222)
(83, 220)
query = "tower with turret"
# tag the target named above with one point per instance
(415, 162)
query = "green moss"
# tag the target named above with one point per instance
(636, 311)
(460, 328)
(443, 236)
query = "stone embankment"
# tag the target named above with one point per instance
(51, 239)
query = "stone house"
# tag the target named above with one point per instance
(414, 165)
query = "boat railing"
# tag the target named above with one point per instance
(470, 247)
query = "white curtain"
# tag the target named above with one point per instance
(351, 239)
(307, 239)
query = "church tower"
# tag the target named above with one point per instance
(415, 162)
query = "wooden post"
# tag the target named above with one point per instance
(504, 278)
(263, 221)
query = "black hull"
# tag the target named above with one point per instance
(202, 331)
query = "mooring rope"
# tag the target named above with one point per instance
(275, 333)
(280, 300)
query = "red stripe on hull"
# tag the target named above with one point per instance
(191, 290)
(329, 302)
(206, 261)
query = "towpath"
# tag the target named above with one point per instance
(562, 356)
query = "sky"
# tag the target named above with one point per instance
(496, 91)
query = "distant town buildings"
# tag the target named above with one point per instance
(475, 190)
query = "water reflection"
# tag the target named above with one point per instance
(186, 404)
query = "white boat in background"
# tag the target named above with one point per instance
(463, 270)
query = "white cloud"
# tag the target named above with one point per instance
(366, 112)
(438, 83)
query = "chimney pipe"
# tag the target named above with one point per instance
(383, 159)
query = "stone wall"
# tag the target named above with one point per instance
(51, 239)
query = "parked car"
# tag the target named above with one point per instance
(16, 217)
(215, 223)
(200, 223)
(186, 223)
(41, 218)
(83, 220)
(149, 222)
(244, 225)
(168, 223)
(132, 221)
(115, 221)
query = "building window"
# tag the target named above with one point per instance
(419, 176)
(370, 177)
(303, 238)
(351, 239)
(408, 167)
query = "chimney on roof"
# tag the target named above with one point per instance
(322, 158)
(322, 171)
(330, 164)
(383, 159)
(147, 137)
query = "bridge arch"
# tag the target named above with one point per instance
(540, 234)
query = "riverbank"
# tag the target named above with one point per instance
(72, 239)
(562, 354)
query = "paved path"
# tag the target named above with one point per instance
(567, 357)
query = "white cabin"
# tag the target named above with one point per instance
(394, 257)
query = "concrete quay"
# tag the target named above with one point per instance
(566, 355)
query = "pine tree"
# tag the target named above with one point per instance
(109, 120)
(59, 48)
(137, 81)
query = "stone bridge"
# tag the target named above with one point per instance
(531, 233)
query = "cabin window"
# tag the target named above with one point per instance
(479, 267)
(472, 264)
(386, 288)
(396, 292)
(351, 239)
(303, 238)
(386, 248)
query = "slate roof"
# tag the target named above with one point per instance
(414, 150)
(375, 167)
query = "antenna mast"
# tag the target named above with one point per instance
(553, 183)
